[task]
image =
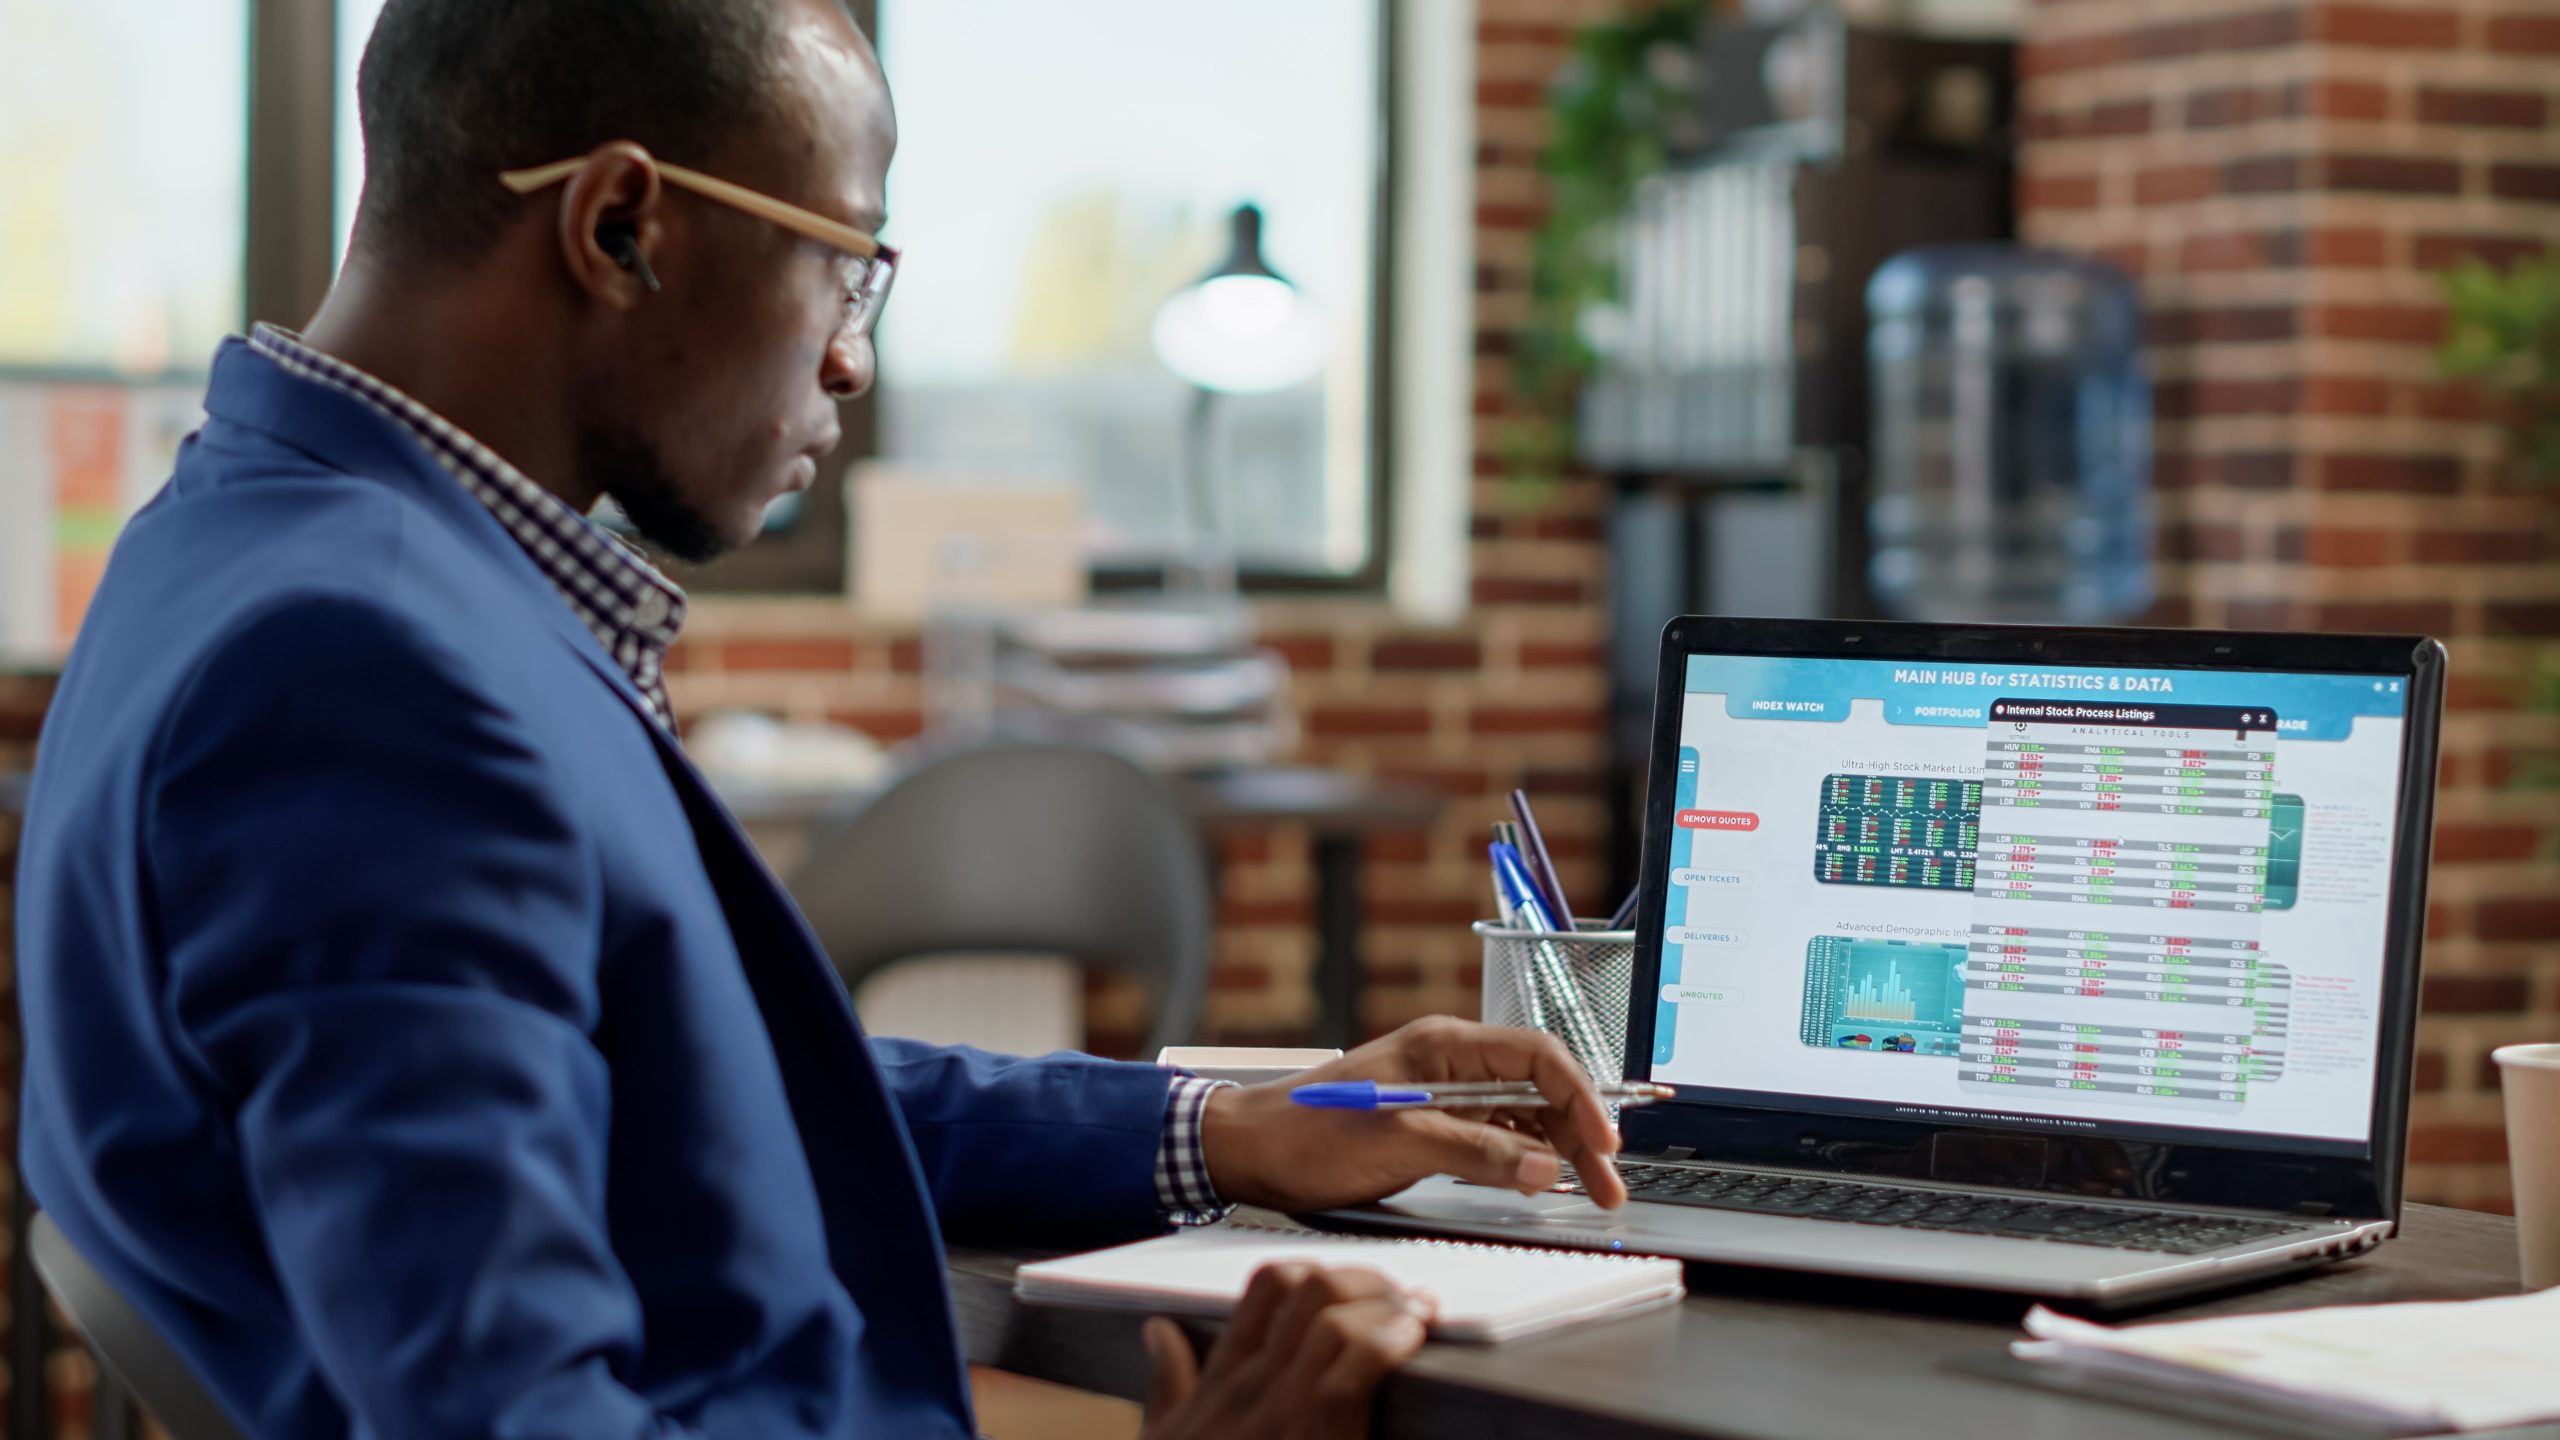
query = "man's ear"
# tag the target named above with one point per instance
(612, 225)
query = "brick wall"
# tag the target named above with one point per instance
(2284, 177)
(1512, 697)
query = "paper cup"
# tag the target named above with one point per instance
(2530, 1074)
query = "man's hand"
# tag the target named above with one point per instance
(1300, 1360)
(1264, 1150)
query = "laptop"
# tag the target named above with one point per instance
(2074, 963)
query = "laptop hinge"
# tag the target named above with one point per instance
(2317, 1209)
(1676, 1152)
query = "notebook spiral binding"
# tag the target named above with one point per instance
(1541, 1251)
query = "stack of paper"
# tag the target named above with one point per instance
(2405, 1369)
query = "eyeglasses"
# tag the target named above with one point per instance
(866, 290)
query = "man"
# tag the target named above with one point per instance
(411, 1036)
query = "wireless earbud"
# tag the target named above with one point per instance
(624, 246)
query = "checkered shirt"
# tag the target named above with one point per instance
(634, 612)
(631, 609)
(1183, 1190)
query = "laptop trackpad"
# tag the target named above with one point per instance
(1485, 1206)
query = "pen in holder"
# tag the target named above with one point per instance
(1572, 986)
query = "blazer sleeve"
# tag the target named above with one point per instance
(1059, 1150)
(380, 931)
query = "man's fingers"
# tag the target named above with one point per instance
(1574, 1107)
(1575, 1122)
(1259, 1310)
(1597, 1168)
(1375, 1337)
(1280, 1302)
(1487, 1154)
(1177, 1367)
(1307, 1364)
(1293, 1330)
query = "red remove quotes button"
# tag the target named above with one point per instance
(1718, 820)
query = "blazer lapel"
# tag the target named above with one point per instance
(348, 435)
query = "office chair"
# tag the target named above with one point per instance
(130, 1352)
(1024, 847)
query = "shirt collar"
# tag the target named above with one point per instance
(633, 611)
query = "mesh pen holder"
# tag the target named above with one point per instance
(1573, 987)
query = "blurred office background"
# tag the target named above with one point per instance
(1460, 573)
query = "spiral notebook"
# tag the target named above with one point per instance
(1486, 1292)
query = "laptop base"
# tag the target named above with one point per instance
(2086, 1276)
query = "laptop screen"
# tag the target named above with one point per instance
(2127, 903)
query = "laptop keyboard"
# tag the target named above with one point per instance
(2166, 1231)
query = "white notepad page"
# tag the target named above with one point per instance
(1485, 1292)
(2418, 1368)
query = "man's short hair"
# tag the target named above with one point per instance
(451, 92)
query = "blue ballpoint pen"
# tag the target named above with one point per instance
(1464, 1095)
(1511, 874)
(1549, 970)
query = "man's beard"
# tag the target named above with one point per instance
(626, 467)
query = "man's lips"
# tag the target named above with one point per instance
(804, 466)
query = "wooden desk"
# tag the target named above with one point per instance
(1339, 811)
(1754, 1355)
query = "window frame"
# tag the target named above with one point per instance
(293, 64)
(266, 40)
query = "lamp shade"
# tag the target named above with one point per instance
(1241, 328)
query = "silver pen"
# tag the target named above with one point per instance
(1459, 1095)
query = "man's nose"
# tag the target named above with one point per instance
(849, 367)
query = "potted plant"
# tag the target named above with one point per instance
(2502, 330)
(1617, 111)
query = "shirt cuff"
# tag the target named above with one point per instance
(1183, 1191)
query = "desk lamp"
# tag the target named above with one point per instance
(1239, 330)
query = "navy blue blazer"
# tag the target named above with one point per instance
(413, 1036)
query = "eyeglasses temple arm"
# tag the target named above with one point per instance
(763, 207)
(525, 182)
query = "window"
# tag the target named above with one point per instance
(124, 137)
(124, 143)
(1061, 171)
